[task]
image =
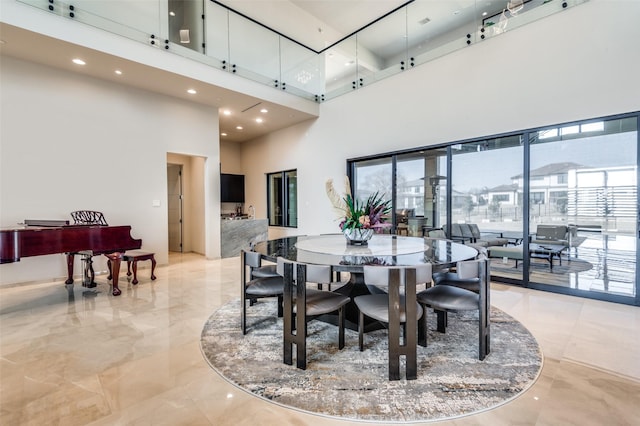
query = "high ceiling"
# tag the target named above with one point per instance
(315, 23)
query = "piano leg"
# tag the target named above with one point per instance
(69, 269)
(115, 259)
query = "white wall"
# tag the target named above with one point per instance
(577, 64)
(71, 142)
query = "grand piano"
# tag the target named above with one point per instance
(59, 237)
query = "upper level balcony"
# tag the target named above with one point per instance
(213, 34)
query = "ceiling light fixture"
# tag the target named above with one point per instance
(192, 91)
(239, 127)
(226, 112)
(118, 72)
(304, 77)
(259, 120)
(223, 134)
(264, 110)
(172, 13)
(78, 61)
(515, 6)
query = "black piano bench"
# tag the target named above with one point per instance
(133, 257)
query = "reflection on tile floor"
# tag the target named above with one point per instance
(76, 356)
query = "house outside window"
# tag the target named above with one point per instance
(562, 178)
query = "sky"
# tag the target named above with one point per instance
(496, 167)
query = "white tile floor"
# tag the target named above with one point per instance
(135, 359)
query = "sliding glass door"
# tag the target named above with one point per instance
(555, 208)
(415, 182)
(486, 191)
(371, 176)
(420, 190)
(583, 176)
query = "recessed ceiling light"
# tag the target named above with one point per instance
(239, 127)
(223, 134)
(226, 112)
(259, 120)
(78, 61)
(192, 91)
(484, 13)
(264, 110)
(118, 72)
(172, 13)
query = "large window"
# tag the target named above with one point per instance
(282, 189)
(597, 201)
(414, 182)
(566, 196)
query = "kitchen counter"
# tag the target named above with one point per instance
(237, 234)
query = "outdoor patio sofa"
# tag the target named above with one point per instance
(469, 233)
(557, 235)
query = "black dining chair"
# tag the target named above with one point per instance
(444, 298)
(397, 309)
(302, 304)
(256, 288)
(464, 275)
(258, 269)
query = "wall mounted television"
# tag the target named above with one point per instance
(231, 188)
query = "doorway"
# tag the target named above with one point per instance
(175, 207)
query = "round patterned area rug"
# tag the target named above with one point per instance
(350, 384)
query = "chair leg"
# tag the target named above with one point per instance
(423, 327)
(135, 272)
(341, 328)
(301, 342)
(280, 306)
(442, 321)
(394, 351)
(243, 316)
(287, 356)
(411, 354)
(393, 330)
(153, 268)
(361, 331)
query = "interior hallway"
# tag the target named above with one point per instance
(77, 356)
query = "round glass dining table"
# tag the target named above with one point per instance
(382, 249)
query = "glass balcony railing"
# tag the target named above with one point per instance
(209, 32)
